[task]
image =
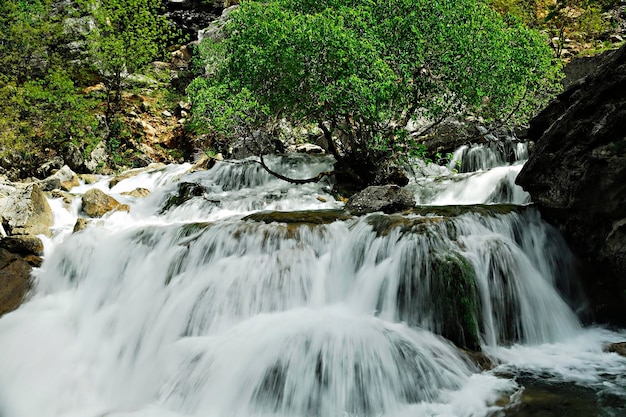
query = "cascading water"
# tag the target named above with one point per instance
(213, 307)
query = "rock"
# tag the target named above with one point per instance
(64, 178)
(65, 196)
(138, 192)
(132, 173)
(99, 157)
(96, 203)
(214, 29)
(81, 224)
(206, 162)
(73, 157)
(25, 211)
(49, 184)
(619, 348)
(310, 149)
(389, 174)
(191, 16)
(14, 281)
(50, 166)
(90, 178)
(22, 245)
(576, 176)
(385, 198)
(308, 217)
(186, 191)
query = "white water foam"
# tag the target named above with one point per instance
(194, 312)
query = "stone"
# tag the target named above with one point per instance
(22, 245)
(14, 281)
(206, 162)
(73, 157)
(138, 192)
(26, 211)
(50, 166)
(98, 157)
(133, 172)
(619, 348)
(186, 191)
(67, 178)
(81, 224)
(576, 176)
(96, 203)
(385, 198)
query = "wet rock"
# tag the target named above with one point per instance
(386, 198)
(453, 301)
(25, 211)
(81, 224)
(299, 217)
(619, 348)
(186, 191)
(22, 245)
(132, 173)
(577, 177)
(138, 192)
(206, 162)
(14, 281)
(96, 203)
(65, 196)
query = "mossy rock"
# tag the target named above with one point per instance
(456, 299)
(443, 292)
(186, 191)
(480, 209)
(309, 217)
(384, 224)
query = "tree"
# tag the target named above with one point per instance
(126, 35)
(40, 106)
(364, 70)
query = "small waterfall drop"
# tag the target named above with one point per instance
(215, 306)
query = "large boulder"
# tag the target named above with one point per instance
(577, 177)
(14, 281)
(385, 198)
(25, 210)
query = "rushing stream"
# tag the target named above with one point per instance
(210, 307)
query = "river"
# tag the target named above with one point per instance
(209, 308)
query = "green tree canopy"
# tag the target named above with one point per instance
(126, 35)
(363, 70)
(40, 106)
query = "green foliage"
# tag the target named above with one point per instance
(127, 35)
(363, 70)
(561, 19)
(40, 106)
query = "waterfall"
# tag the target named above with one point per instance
(216, 306)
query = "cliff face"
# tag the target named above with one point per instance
(577, 177)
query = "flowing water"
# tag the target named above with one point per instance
(207, 307)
